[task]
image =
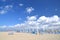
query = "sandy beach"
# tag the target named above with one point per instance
(28, 36)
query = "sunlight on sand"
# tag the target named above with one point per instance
(28, 36)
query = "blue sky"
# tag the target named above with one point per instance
(16, 11)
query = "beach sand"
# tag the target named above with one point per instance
(28, 36)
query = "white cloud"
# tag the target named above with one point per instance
(43, 21)
(21, 4)
(54, 18)
(31, 18)
(38, 23)
(29, 9)
(2, 11)
(19, 18)
(4, 26)
(5, 9)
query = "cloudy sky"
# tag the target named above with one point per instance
(29, 12)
